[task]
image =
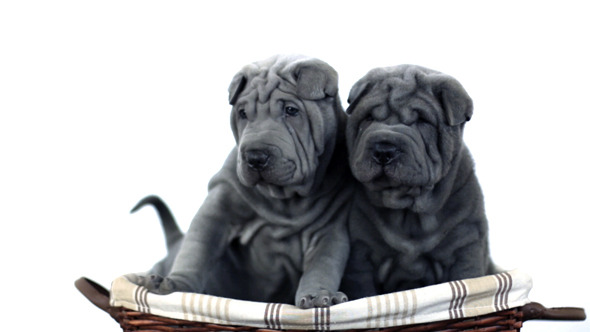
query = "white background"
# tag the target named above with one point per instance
(105, 102)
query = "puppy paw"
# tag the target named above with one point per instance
(149, 281)
(322, 298)
(167, 286)
(154, 283)
(136, 278)
(339, 297)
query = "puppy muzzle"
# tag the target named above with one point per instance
(391, 158)
(264, 164)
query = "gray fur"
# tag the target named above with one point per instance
(419, 218)
(272, 227)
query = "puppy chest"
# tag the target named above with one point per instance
(266, 253)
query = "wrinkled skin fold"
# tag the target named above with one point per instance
(418, 218)
(273, 226)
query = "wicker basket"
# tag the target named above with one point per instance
(507, 320)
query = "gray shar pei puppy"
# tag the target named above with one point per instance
(272, 227)
(419, 218)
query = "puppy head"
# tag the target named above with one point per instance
(404, 130)
(285, 118)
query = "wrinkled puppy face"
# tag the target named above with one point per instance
(284, 120)
(404, 129)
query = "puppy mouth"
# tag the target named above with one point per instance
(277, 173)
(383, 191)
(384, 183)
(400, 171)
(392, 160)
(394, 184)
(280, 175)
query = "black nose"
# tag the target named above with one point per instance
(385, 153)
(257, 159)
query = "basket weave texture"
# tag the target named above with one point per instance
(508, 320)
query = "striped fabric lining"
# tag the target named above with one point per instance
(504, 287)
(199, 307)
(140, 296)
(392, 309)
(456, 299)
(321, 319)
(272, 318)
(459, 293)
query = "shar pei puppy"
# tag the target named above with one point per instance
(419, 216)
(272, 227)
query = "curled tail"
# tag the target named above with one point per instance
(172, 233)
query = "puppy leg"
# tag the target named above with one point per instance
(323, 268)
(358, 280)
(202, 246)
(468, 246)
(472, 261)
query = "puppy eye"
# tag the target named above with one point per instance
(369, 118)
(242, 114)
(291, 111)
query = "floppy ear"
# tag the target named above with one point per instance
(236, 87)
(358, 90)
(315, 80)
(456, 103)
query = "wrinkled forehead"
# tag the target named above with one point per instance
(260, 88)
(398, 95)
(266, 76)
(389, 91)
(400, 89)
(402, 81)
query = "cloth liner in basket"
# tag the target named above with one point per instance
(452, 300)
(492, 303)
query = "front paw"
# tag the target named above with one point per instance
(154, 283)
(322, 298)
